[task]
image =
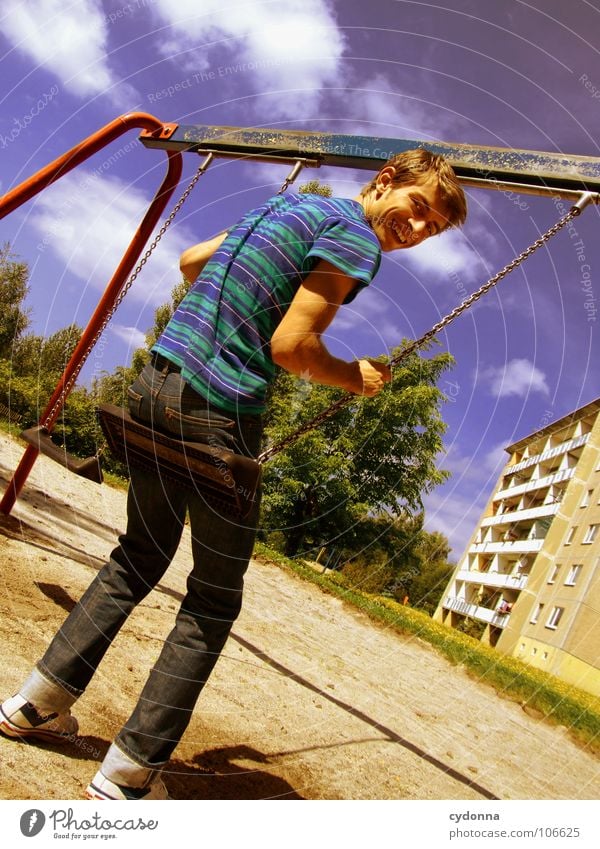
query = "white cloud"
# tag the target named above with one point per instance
(453, 515)
(518, 377)
(474, 468)
(455, 508)
(68, 39)
(132, 336)
(283, 45)
(448, 256)
(87, 222)
(380, 107)
(495, 459)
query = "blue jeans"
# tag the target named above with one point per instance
(221, 549)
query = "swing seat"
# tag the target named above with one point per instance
(39, 438)
(226, 480)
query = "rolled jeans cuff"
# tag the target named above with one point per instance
(47, 695)
(120, 768)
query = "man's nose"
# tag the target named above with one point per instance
(419, 228)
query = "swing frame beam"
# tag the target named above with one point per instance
(477, 166)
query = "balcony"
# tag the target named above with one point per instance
(483, 614)
(563, 448)
(517, 546)
(492, 579)
(535, 483)
(508, 518)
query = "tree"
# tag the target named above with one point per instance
(29, 377)
(14, 319)
(428, 583)
(375, 454)
(395, 556)
(45, 356)
(315, 187)
(379, 554)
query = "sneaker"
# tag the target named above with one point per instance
(19, 718)
(103, 788)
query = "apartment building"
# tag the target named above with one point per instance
(530, 575)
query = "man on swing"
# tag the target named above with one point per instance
(262, 295)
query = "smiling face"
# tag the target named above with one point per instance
(404, 215)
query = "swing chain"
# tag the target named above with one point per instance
(418, 343)
(504, 272)
(68, 385)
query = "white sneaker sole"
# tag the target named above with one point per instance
(9, 729)
(95, 792)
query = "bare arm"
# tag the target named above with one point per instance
(193, 260)
(297, 346)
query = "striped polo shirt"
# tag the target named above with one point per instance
(220, 334)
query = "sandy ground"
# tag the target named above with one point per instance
(309, 701)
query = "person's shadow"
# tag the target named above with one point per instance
(216, 776)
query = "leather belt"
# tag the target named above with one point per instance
(163, 364)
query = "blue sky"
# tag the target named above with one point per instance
(505, 73)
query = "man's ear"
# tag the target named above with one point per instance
(385, 178)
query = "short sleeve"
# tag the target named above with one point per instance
(350, 245)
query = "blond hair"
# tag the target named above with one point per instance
(416, 166)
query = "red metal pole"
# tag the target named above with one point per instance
(78, 154)
(38, 182)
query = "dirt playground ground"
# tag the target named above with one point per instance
(309, 701)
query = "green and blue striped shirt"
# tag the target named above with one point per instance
(220, 334)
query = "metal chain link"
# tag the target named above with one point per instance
(126, 287)
(418, 343)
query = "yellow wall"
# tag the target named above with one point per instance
(559, 663)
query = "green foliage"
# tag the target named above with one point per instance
(374, 455)
(350, 484)
(29, 377)
(77, 427)
(315, 187)
(472, 627)
(14, 319)
(394, 556)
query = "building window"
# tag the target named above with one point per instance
(555, 617)
(536, 614)
(585, 501)
(590, 534)
(573, 575)
(553, 573)
(570, 534)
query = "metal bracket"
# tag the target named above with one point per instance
(164, 132)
